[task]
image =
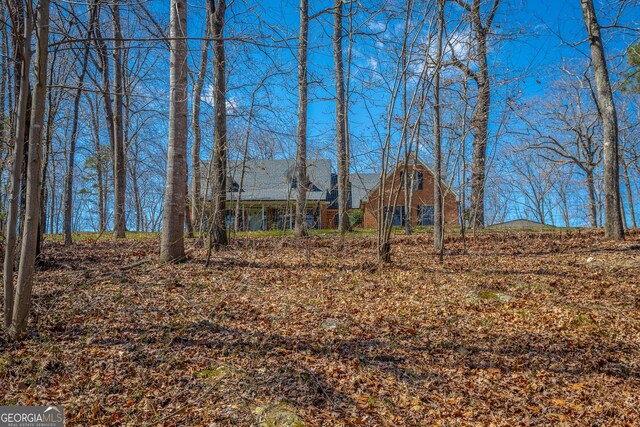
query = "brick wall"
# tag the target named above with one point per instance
(422, 196)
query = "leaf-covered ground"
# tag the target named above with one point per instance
(526, 329)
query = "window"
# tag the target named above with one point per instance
(232, 186)
(417, 180)
(396, 218)
(230, 220)
(312, 187)
(425, 214)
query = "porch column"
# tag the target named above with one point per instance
(263, 225)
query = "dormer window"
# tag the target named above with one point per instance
(312, 186)
(233, 186)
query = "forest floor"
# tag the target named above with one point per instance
(528, 328)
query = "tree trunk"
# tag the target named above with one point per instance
(438, 214)
(95, 125)
(119, 170)
(172, 245)
(32, 213)
(187, 212)
(301, 148)
(218, 228)
(627, 184)
(196, 173)
(105, 90)
(52, 111)
(480, 118)
(137, 200)
(16, 168)
(408, 175)
(341, 122)
(480, 124)
(68, 183)
(244, 154)
(4, 134)
(591, 189)
(606, 107)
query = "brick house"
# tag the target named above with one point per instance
(268, 195)
(422, 202)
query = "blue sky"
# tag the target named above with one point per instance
(539, 33)
(533, 39)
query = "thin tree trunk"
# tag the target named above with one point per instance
(119, 170)
(95, 124)
(108, 110)
(32, 213)
(196, 173)
(16, 168)
(52, 197)
(408, 175)
(218, 232)
(606, 107)
(52, 104)
(244, 154)
(172, 245)
(187, 211)
(341, 122)
(301, 148)
(136, 195)
(591, 189)
(106, 85)
(627, 184)
(3, 90)
(438, 214)
(4, 134)
(68, 183)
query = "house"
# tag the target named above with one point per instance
(421, 204)
(266, 195)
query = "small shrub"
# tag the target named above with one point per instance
(356, 218)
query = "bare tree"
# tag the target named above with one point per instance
(245, 149)
(119, 169)
(564, 130)
(32, 212)
(387, 193)
(21, 19)
(301, 148)
(341, 122)
(613, 225)
(68, 184)
(196, 173)
(172, 245)
(627, 184)
(534, 179)
(100, 160)
(480, 120)
(218, 228)
(103, 67)
(438, 202)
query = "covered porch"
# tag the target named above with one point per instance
(257, 216)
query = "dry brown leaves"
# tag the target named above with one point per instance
(527, 329)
